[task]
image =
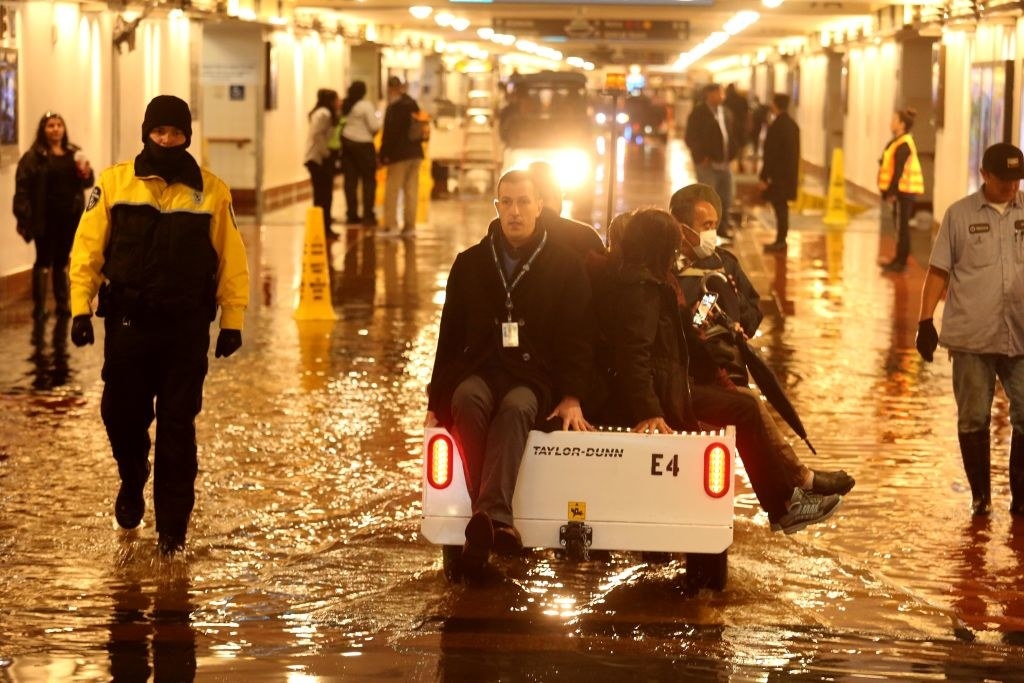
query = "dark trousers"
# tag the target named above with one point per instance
(781, 209)
(491, 422)
(719, 406)
(161, 364)
(902, 212)
(360, 164)
(322, 178)
(53, 250)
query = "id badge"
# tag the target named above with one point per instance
(510, 335)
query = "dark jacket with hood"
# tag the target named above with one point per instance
(395, 144)
(550, 303)
(648, 349)
(31, 196)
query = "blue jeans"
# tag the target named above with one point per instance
(974, 384)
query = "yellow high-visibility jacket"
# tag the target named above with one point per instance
(911, 180)
(172, 250)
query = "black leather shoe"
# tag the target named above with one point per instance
(130, 505)
(507, 541)
(479, 540)
(829, 483)
(170, 544)
(982, 507)
(775, 248)
(1017, 509)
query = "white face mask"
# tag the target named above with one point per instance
(708, 242)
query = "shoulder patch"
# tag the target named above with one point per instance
(94, 198)
(197, 197)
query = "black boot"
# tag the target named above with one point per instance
(1017, 474)
(40, 286)
(61, 293)
(975, 449)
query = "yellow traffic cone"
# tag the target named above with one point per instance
(426, 184)
(835, 203)
(315, 288)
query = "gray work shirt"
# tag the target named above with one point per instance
(983, 252)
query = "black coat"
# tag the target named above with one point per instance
(647, 350)
(395, 144)
(781, 167)
(704, 136)
(551, 305)
(748, 310)
(30, 192)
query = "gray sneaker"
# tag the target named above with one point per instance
(806, 508)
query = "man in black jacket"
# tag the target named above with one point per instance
(781, 168)
(402, 154)
(513, 353)
(712, 149)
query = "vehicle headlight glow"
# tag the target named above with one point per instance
(573, 167)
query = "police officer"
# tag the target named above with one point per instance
(158, 241)
(977, 256)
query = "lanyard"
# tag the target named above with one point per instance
(519, 276)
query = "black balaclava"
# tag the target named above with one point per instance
(167, 110)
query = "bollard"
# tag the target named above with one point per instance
(315, 288)
(835, 203)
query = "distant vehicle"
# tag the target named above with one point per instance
(607, 490)
(548, 118)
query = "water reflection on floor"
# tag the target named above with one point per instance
(304, 558)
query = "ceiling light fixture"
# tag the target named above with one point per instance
(421, 11)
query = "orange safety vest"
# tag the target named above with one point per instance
(912, 180)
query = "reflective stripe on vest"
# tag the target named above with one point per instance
(912, 180)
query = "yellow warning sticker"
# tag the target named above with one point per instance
(577, 510)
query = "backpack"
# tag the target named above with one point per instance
(419, 127)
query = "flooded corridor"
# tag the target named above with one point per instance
(304, 561)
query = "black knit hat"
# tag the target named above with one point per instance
(167, 110)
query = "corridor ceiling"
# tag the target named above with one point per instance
(651, 33)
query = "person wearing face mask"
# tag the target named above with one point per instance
(662, 378)
(159, 244)
(696, 209)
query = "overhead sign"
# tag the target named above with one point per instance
(598, 29)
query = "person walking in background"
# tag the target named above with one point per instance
(157, 303)
(402, 152)
(358, 154)
(975, 261)
(48, 202)
(712, 149)
(319, 161)
(900, 181)
(739, 111)
(781, 168)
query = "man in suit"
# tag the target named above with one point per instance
(713, 149)
(781, 167)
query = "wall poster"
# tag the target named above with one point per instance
(991, 89)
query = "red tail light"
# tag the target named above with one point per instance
(440, 461)
(717, 470)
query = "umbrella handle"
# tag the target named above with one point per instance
(710, 274)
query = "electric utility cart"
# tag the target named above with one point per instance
(603, 490)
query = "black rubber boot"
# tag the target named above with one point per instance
(1017, 474)
(40, 287)
(975, 449)
(61, 293)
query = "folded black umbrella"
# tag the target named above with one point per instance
(772, 388)
(758, 368)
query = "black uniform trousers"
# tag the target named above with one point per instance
(156, 368)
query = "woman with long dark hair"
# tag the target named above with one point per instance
(319, 160)
(359, 157)
(48, 202)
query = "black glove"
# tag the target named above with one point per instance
(81, 330)
(228, 341)
(927, 339)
